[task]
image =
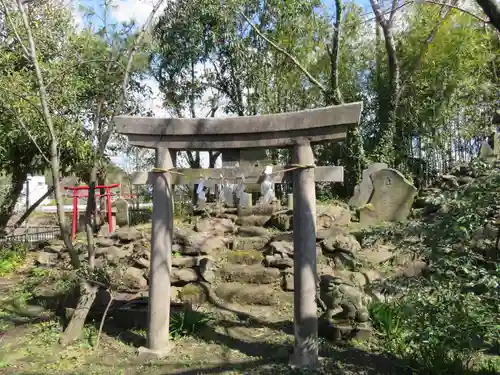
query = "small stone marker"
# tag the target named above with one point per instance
(122, 216)
(245, 200)
(392, 197)
(363, 191)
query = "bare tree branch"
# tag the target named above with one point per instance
(455, 6)
(313, 80)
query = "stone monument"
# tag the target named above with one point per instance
(122, 212)
(363, 191)
(391, 199)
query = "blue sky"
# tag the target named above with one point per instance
(126, 9)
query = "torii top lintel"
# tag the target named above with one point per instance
(266, 131)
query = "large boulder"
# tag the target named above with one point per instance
(245, 257)
(253, 220)
(265, 295)
(282, 221)
(217, 226)
(133, 279)
(253, 231)
(249, 243)
(183, 276)
(46, 259)
(126, 235)
(284, 248)
(328, 216)
(194, 243)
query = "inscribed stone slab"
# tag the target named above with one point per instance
(363, 191)
(392, 196)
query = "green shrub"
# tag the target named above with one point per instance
(188, 322)
(444, 321)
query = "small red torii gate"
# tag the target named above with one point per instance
(76, 194)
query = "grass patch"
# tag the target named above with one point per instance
(12, 257)
(187, 322)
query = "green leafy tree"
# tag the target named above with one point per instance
(24, 147)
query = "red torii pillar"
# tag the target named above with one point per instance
(76, 195)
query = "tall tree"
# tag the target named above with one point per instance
(24, 144)
(114, 82)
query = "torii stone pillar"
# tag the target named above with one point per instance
(161, 253)
(304, 260)
(296, 130)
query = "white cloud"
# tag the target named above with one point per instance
(78, 17)
(136, 10)
(155, 103)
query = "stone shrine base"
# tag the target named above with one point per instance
(341, 329)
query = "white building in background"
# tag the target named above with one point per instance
(36, 187)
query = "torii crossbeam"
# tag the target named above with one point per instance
(295, 130)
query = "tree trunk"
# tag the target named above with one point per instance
(492, 10)
(33, 207)
(8, 204)
(385, 146)
(194, 161)
(334, 94)
(54, 151)
(212, 159)
(353, 144)
(91, 209)
(103, 204)
(72, 332)
(88, 293)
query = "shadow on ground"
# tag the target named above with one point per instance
(268, 354)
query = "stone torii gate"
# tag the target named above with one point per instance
(295, 130)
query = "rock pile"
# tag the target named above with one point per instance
(427, 204)
(244, 257)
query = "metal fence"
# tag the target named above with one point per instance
(33, 234)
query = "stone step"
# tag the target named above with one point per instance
(248, 274)
(248, 294)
